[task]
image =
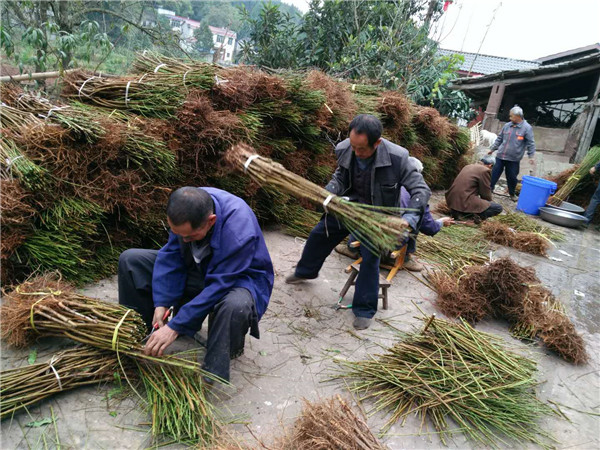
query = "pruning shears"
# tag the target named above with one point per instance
(168, 315)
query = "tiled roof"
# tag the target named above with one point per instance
(222, 31)
(587, 63)
(484, 64)
(193, 23)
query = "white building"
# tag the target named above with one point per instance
(224, 42)
(185, 27)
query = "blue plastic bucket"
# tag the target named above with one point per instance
(534, 194)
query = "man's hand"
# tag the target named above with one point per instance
(159, 313)
(490, 152)
(447, 221)
(160, 340)
(404, 222)
(593, 170)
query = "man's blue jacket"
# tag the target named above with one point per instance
(239, 259)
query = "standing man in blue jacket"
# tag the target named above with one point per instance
(516, 137)
(371, 170)
(215, 261)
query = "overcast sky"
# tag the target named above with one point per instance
(521, 29)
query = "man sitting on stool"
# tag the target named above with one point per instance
(470, 193)
(371, 170)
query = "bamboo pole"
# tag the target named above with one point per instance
(44, 75)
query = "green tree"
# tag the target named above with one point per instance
(387, 41)
(56, 30)
(274, 38)
(431, 88)
(223, 15)
(204, 39)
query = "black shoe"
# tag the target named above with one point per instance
(343, 249)
(237, 354)
(362, 323)
(293, 279)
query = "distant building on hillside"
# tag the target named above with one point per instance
(224, 41)
(185, 27)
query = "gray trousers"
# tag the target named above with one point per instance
(229, 321)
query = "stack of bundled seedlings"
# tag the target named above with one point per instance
(329, 424)
(451, 372)
(339, 107)
(576, 184)
(88, 176)
(79, 366)
(524, 241)
(118, 146)
(506, 290)
(440, 145)
(45, 306)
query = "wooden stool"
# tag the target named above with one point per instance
(397, 255)
(354, 270)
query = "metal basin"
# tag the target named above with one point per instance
(563, 218)
(569, 207)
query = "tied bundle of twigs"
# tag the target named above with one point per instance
(14, 118)
(79, 121)
(518, 221)
(179, 405)
(449, 371)
(591, 159)
(66, 370)
(330, 424)
(46, 307)
(189, 73)
(154, 94)
(506, 290)
(378, 228)
(454, 248)
(524, 241)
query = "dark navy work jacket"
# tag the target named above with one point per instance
(239, 259)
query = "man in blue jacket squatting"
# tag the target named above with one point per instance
(370, 170)
(215, 261)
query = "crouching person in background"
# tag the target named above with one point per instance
(470, 194)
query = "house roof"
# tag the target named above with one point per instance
(193, 23)
(222, 31)
(570, 54)
(478, 64)
(585, 64)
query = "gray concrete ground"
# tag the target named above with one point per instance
(301, 337)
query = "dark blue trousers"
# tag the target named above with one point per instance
(322, 240)
(594, 202)
(512, 170)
